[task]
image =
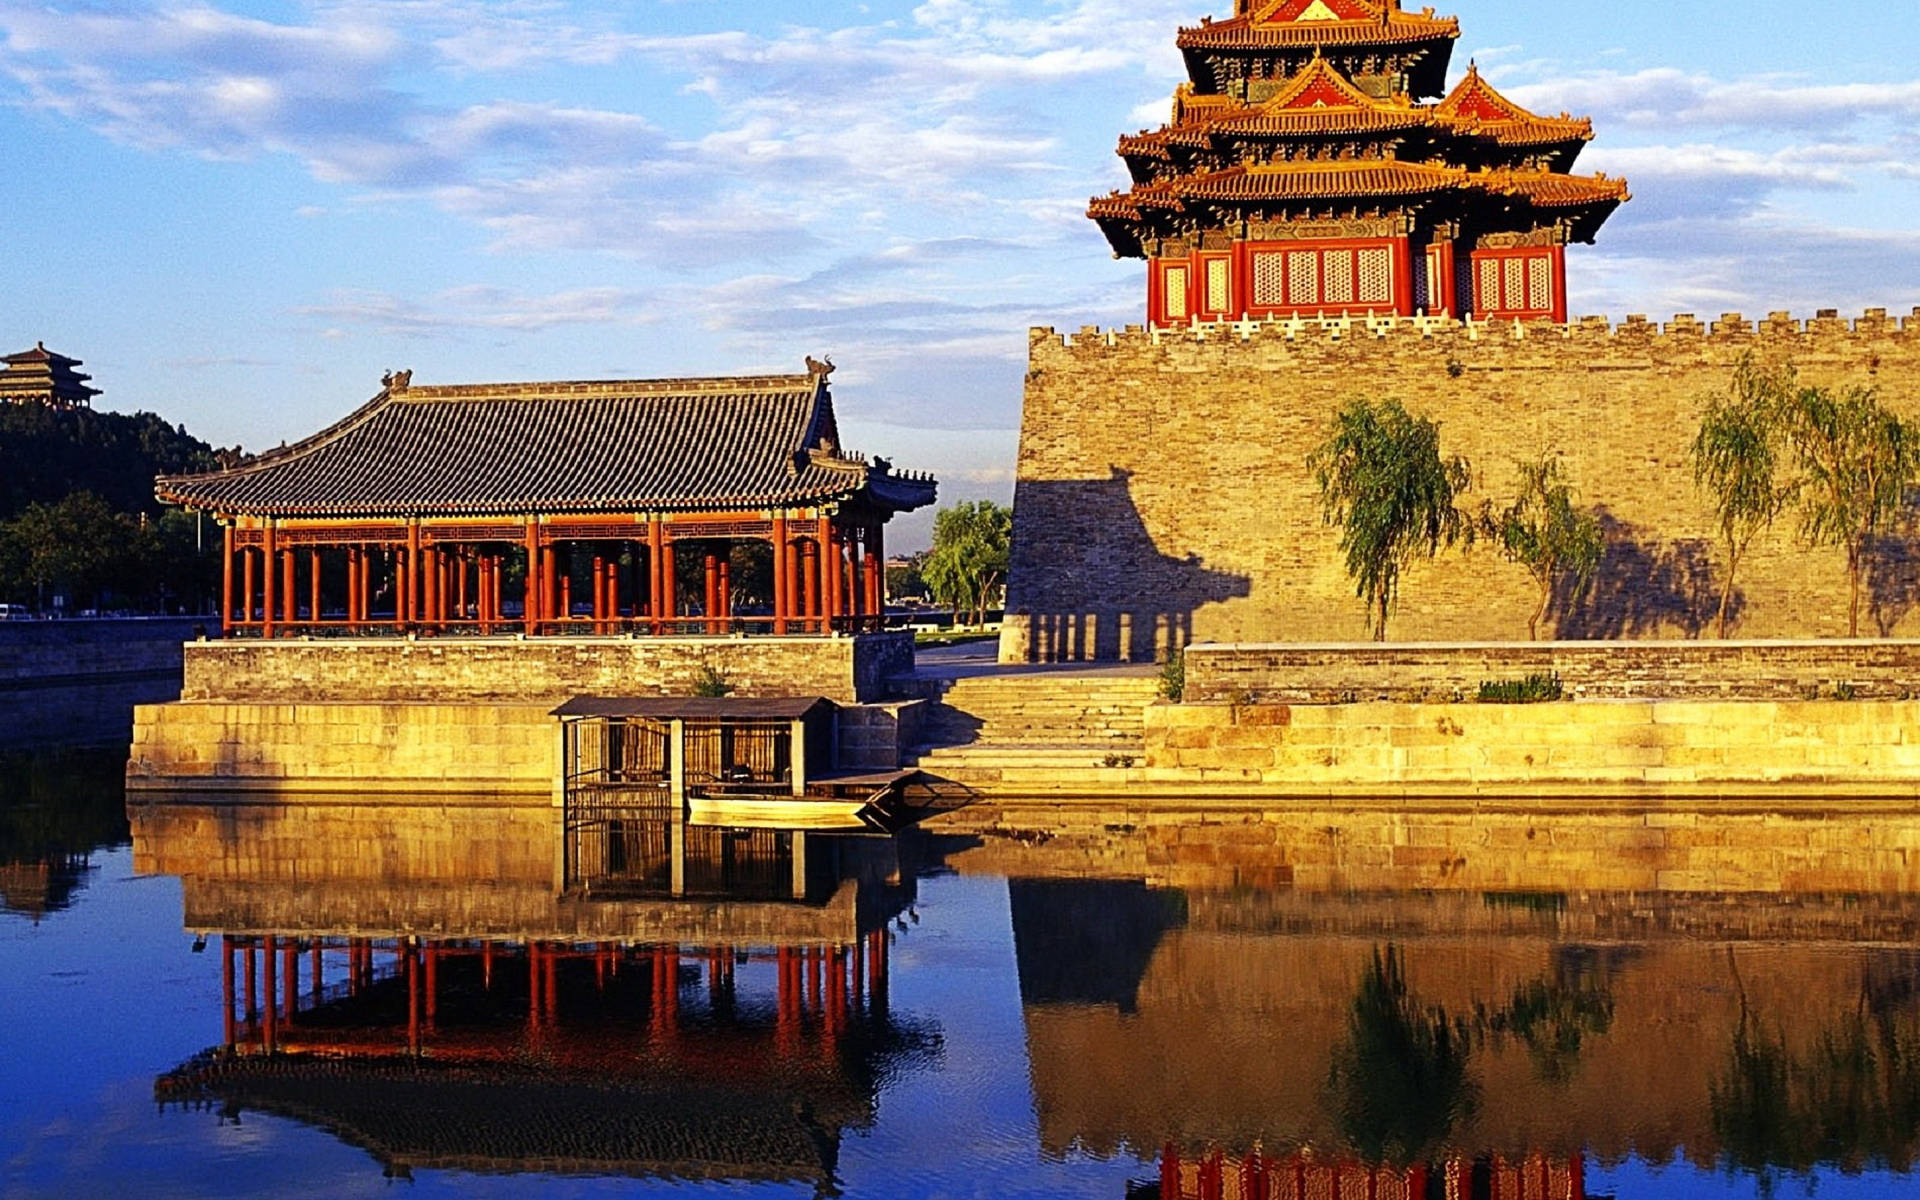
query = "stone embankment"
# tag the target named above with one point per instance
(71, 682)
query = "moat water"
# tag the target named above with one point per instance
(942, 1014)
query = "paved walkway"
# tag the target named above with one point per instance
(971, 659)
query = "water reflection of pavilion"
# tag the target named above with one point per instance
(732, 1022)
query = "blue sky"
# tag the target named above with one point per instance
(240, 214)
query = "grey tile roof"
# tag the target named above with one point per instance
(618, 446)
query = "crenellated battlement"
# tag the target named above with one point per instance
(1637, 330)
(1164, 492)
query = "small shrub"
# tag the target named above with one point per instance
(1845, 691)
(712, 682)
(1534, 689)
(1173, 675)
(1117, 760)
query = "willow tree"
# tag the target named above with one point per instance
(1384, 482)
(1738, 460)
(967, 566)
(1545, 532)
(1855, 460)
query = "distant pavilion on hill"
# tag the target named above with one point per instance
(432, 508)
(39, 376)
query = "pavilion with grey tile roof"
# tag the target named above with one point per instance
(412, 512)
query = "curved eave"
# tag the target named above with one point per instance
(1317, 181)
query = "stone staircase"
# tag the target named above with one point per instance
(1035, 732)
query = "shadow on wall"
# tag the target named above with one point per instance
(1644, 586)
(1080, 538)
(1893, 570)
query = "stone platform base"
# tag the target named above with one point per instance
(465, 749)
(848, 670)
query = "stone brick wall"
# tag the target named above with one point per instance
(396, 747)
(1163, 494)
(1672, 746)
(66, 652)
(540, 670)
(1280, 672)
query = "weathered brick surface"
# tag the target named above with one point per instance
(541, 670)
(1163, 494)
(1738, 745)
(1706, 669)
(401, 746)
(70, 651)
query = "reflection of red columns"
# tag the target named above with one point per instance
(551, 961)
(486, 965)
(433, 986)
(836, 1006)
(271, 1012)
(1577, 1177)
(290, 966)
(1253, 1176)
(813, 977)
(859, 973)
(226, 989)
(412, 956)
(317, 964)
(877, 971)
(1212, 1176)
(253, 993)
(1169, 1173)
(785, 1001)
(533, 984)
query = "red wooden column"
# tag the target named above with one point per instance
(1558, 258)
(656, 555)
(613, 589)
(810, 583)
(830, 575)
(561, 603)
(430, 585)
(876, 574)
(669, 582)
(313, 586)
(246, 587)
(269, 568)
(726, 586)
(226, 579)
(782, 602)
(796, 609)
(712, 609)
(289, 592)
(531, 602)
(353, 585)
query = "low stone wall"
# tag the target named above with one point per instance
(1539, 749)
(1345, 672)
(541, 670)
(398, 747)
(64, 652)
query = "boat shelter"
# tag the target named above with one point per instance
(571, 508)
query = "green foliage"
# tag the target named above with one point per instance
(47, 453)
(905, 580)
(1399, 1081)
(1173, 675)
(712, 682)
(1739, 461)
(1384, 482)
(1544, 532)
(1855, 460)
(967, 566)
(1534, 689)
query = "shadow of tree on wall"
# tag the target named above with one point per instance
(1089, 577)
(1644, 585)
(1893, 569)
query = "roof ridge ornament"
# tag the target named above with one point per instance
(397, 381)
(820, 367)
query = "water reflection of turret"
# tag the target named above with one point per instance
(1496, 1041)
(731, 1019)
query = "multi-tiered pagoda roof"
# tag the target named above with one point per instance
(40, 376)
(1305, 171)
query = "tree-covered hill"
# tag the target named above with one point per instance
(79, 527)
(46, 454)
